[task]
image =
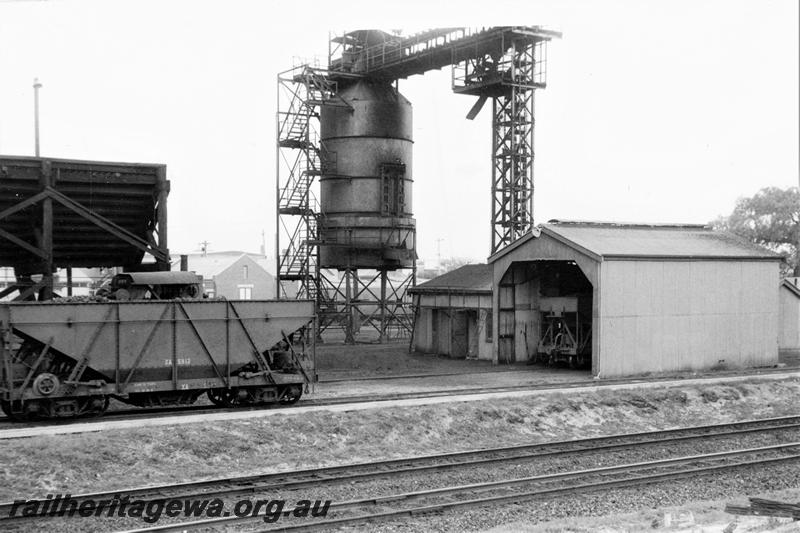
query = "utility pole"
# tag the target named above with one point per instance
(439, 254)
(36, 87)
(46, 291)
(263, 243)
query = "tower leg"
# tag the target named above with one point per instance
(382, 303)
(348, 307)
(358, 297)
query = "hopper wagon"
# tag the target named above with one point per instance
(68, 358)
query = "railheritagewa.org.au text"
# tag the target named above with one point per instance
(151, 511)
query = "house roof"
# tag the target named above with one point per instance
(468, 278)
(214, 263)
(609, 240)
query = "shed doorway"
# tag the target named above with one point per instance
(459, 344)
(465, 331)
(546, 310)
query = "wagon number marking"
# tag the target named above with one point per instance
(182, 361)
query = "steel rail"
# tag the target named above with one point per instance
(144, 412)
(634, 468)
(429, 375)
(605, 381)
(586, 487)
(231, 486)
(201, 409)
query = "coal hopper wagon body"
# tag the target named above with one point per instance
(64, 359)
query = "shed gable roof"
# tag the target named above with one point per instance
(791, 287)
(607, 240)
(468, 278)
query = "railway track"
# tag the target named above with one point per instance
(319, 478)
(717, 373)
(469, 496)
(159, 412)
(190, 410)
(420, 375)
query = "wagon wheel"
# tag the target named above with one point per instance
(224, 397)
(104, 408)
(24, 415)
(290, 395)
(6, 407)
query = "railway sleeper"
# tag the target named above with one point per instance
(67, 407)
(94, 405)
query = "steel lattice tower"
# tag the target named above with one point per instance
(506, 64)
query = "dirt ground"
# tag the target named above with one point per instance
(337, 361)
(361, 369)
(364, 369)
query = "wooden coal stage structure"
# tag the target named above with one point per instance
(59, 213)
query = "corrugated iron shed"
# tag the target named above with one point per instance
(665, 297)
(453, 313)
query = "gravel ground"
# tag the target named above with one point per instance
(104, 461)
(717, 488)
(410, 482)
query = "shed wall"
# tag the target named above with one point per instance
(789, 313)
(433, 329)
(659, 316)
(421, 342)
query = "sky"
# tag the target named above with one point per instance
(654, 111)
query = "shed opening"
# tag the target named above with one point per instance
(545, 314)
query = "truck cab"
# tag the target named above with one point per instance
(153, 286)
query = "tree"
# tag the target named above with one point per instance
(770, 218)
(452, 263)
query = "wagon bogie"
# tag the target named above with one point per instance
(62, 407)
